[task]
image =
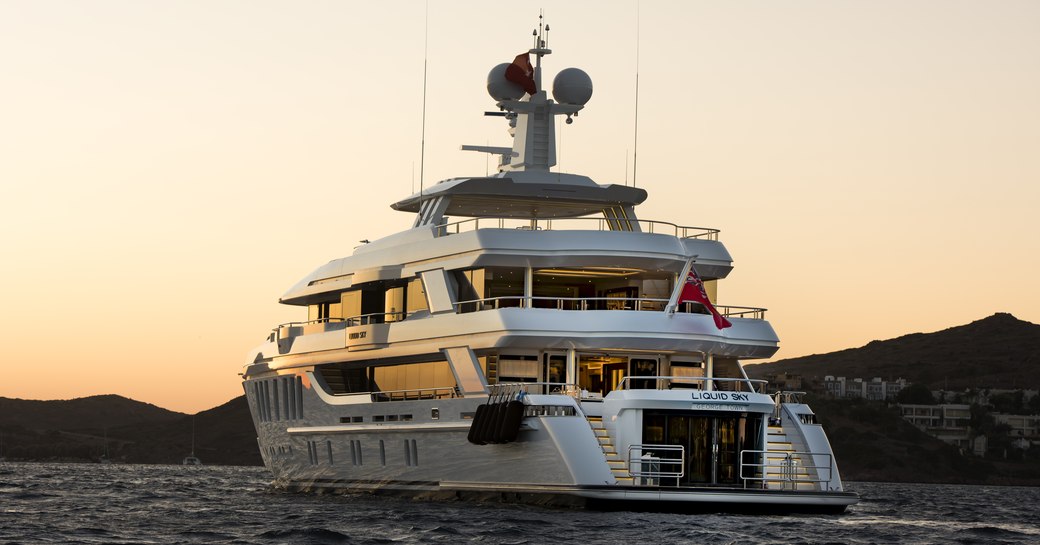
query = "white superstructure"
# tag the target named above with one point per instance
(525, 339)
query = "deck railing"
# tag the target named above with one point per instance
(790, 469)
(601, 303)
(416, 394)
(651, 463)
(651, 383)
(652, 304)
(578, 224)
(513, 388)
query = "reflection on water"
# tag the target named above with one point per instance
(58, 503)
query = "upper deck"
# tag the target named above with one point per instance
(631, 244)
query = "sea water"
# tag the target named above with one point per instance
(84, 503)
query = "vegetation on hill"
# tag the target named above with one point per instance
(85, 412)
(1000, 351)
(872, 442)
(124, 430)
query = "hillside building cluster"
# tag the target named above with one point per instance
(875, 389)
(949, 419)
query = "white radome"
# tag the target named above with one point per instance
(500, 88)
(572, 86)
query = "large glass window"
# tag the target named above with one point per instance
(415, 298)
(504, 283)
(413, 376)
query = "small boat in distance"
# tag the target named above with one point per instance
(530, 339)
(104, 459)
(191, 459)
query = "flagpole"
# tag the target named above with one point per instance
(677, 290)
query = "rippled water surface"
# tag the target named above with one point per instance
(73, 503)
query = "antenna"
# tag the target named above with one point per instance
(422, 146)
(626, 167)
(635, 129)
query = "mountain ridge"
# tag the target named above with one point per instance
(126, 430)
(999, 351)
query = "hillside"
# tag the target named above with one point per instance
(872, 442)
(126, 430)
(1000, 351)
(85, 412)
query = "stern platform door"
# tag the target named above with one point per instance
(712, 443)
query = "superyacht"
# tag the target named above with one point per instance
(529, 338)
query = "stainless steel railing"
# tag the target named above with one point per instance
(790, 469)
(501, 388)
(577, 224)
(626, 383)
(650, 463)
(445, 392)
(599, 303)
(294, 329)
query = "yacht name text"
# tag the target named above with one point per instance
(719, 396)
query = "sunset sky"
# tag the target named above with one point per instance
(169, 169)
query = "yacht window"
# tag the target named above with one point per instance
(415, 298)
(687, 374)
(394, 307)
(518, 368)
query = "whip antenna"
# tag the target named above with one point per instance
(422, 145)
(635, 130)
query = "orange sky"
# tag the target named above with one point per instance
(170, 169)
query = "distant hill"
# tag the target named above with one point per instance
(1000, 351)
(126, 431)
(86, 412)
(224, 435)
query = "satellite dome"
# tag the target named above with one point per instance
(500, 88)
(572, 86)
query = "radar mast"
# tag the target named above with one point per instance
(517, 90)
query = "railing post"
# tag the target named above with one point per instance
(528, 285)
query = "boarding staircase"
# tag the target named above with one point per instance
(618, 466)
(783, 467)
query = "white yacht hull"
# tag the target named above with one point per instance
(555, 460)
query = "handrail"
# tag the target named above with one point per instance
(276, 332)
(375, 318)
(639, 459)
(625, 383)
(352, 321)
(781, 397)
(788, 465)
(308, 322)
(564, 388)
(608, 303)
(642, 304)
(602, 224)
(439, 392)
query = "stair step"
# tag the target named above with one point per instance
(777, 485)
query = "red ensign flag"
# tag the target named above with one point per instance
(522, 73)
(694, 291)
